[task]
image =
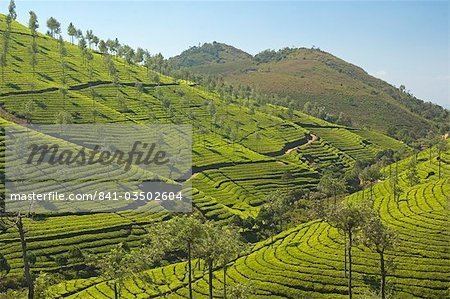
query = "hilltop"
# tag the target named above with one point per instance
(310, 75)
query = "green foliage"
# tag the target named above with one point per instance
(244, 149)
(338, 91)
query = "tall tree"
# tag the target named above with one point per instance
(79, 34)
(95, 40)
(62, 56)
(5, 43)
(71, 31)
(12, 10)
(218, 245)
(179, 234)
(369, 176)
(83, 49)
(348, 217)
(148, 62)
(412, 175)
(394, 181)
(62, 118)
(64, 91)
(230, 246)
(25, 257)
(114, 266)
(139, 55)
(89, 37)
(33, 51)
(54, 26)
(273, 213)
(116, 46)
(209, 250)
(3, 63)
(380, 238)
(33, 23)
(129, 54)
(331, 185)
(441, 147)
(102, 47)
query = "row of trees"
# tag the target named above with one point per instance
(200, 243)
(251, 98)
(189, 238)
(85, 42)
(358, 223)
(11, 16)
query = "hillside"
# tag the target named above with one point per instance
(303, 75)
(306, 261)
(241, 153)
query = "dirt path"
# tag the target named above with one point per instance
(11, 117)
(81, 87)
(313, 138)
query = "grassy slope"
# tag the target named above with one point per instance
(235, 175)
(312, 75)
(306, 261)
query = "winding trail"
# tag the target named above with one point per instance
(83, 86)
(313, 138)
(11, 117)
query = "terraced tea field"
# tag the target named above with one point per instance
(306, 261)
(241, 153)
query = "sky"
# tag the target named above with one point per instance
(400, 42)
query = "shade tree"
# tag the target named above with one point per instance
(380, 238)
(348, 218)
(53, 26)
(369, 176)
(331, 185)
(179, 235)
(12, 10)
(71, 31)
(114, 266)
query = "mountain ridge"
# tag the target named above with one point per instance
(312, 75)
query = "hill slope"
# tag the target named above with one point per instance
(240, 154)
(312, 75)
(306, 261)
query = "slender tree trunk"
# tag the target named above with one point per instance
(439, 163)
(349, 249)
(26, 265)
(190, 270)
(210, 278)
(116, 292)
(383, 275)
(345, 257)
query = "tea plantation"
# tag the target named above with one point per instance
(240, 154)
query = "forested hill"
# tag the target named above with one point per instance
(310, 75)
